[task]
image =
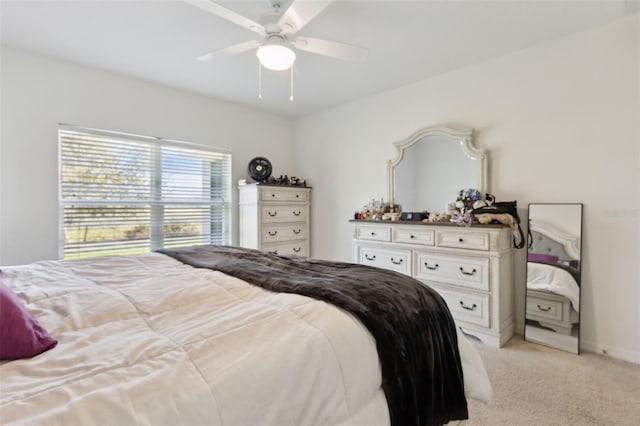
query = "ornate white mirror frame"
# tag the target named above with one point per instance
(463, 137)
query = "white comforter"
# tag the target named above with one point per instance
(545, 277)
(147, 340)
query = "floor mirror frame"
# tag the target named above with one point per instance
(553, 275)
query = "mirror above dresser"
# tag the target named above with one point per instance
(471, 267)
(432, 165)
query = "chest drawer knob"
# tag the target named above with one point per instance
(473, 271)
(297, 249)
(297, 231)
(273, 234)
(461, 240)
(272, 214)
(546, 309)
(468, 308)
(273, 195)
(297, 195)
(297, 213)
(412, 236)
(396, 262)
(433, 268)
(366, 256)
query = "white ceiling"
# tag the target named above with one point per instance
(408, 41)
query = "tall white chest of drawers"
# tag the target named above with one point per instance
(471, 268)
(275, 218)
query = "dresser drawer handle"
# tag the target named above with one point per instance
(543, 309)
(297, 231)
(433, 268)
(373, 234)
(467, 273)
(273, 195)
(297, 213)
(412, 236)
(297, 195)
(297, 250)
(366, 256)
(272, 214)
(273, 234)
(461, 240)
(468, 308)
(397, 262)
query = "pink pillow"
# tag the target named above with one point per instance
(21, 336)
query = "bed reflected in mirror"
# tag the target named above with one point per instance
(554, 263)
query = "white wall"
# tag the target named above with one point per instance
(561, 122)
(38, 93)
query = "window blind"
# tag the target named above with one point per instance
(122, 194)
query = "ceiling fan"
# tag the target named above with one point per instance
(278, 43)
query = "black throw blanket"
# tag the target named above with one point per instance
(414, 331)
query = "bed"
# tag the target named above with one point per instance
(553, 279)
(152, 339)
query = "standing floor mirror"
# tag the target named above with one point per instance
(554, 262)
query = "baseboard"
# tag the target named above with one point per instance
(612, 351)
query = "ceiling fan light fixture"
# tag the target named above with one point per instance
(275, 55)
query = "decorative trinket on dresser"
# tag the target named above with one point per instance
(287, 181)
(378, 210)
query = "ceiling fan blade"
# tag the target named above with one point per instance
(300, 12)
(229, 15)
(231, 50)
(346, 52)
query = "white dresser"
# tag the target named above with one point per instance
(275, 218)
(471, 267)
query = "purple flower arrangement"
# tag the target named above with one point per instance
(467, 200)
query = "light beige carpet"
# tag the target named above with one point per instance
(536, 385)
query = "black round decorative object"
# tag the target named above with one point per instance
(259, 169)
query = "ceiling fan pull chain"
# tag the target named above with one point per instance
(259, 80)
(291, 95)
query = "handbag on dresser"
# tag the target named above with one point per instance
(505, 212)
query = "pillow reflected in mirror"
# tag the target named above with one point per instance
(540, 257)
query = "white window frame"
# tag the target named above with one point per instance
(155, 202)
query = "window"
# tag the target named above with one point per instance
(122, 194)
